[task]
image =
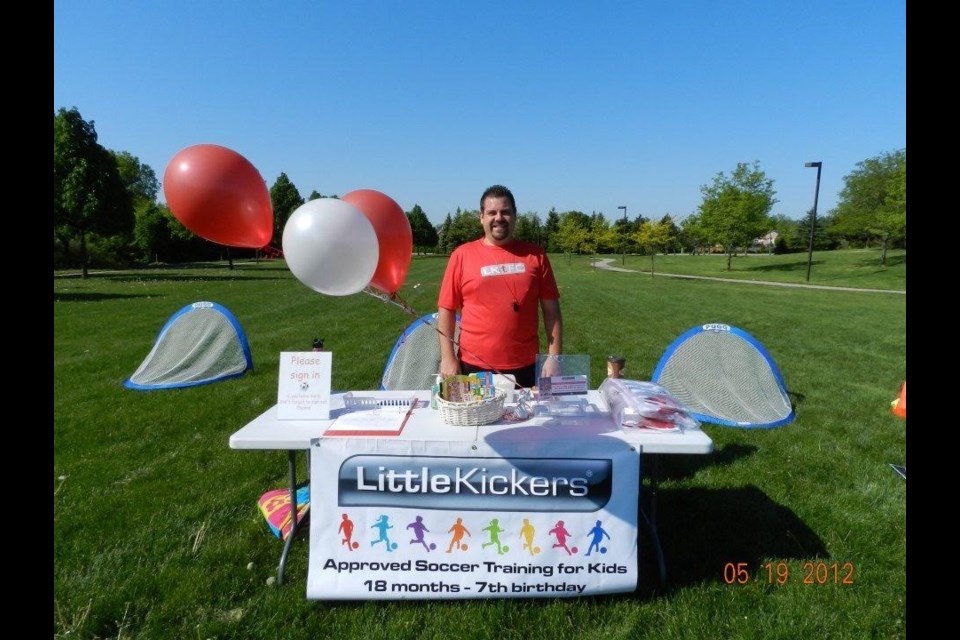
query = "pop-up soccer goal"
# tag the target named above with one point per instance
(724, 376)
(201, 343)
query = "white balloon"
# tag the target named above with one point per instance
(331, 247)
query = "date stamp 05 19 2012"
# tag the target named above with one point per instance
(811, 572)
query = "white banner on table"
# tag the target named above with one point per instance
(405, 519)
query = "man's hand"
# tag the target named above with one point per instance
(551, 367)
(449, 367)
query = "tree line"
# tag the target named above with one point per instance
(106, 214)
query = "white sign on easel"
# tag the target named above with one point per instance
(303, 392)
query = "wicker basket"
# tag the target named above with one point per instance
(471, 414)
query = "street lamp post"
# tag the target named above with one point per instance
(624, 243)
(813, 217)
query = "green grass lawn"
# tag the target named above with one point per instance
(155, 517)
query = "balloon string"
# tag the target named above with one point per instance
(396, 300)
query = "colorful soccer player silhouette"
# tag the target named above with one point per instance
(526, 533)
(495, 530)
(458, 530)
(562, 534)
(346, 528)
(597, 532)
(418, 529)
(383, 524)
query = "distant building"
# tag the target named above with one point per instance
(767, 241)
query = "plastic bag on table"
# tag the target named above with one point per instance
(645, 405)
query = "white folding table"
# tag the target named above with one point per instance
(268, 432)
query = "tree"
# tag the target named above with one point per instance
(151, 233)
(528, 228)
(549, 229)
(424, 235)
(625, 232)
(464, 227)
(573, 234)
(138, 178)
(734, 209)
(622, 236)
(824, 237)
(285, 199)
(89, 195)
(605, 238)
(672, 244)
(653, 237)
(443, 234)
(873, 201)
(576, 218)
(316, 194)
(692, 234)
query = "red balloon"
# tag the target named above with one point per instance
(219, 195)
(393, 234)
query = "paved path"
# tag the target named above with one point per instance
(606, 263)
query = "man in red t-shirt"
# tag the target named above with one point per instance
(499, 284)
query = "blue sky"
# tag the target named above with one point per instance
(574, 105)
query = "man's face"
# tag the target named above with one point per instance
(498, 219)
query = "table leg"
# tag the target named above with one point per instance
(652, 520)
(295, 527)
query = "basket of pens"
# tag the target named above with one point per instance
(470, 400)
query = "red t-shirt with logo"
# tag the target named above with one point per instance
(498, 292)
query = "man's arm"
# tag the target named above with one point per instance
(553, 326)
(447, 325)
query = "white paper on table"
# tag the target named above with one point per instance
(384, 421)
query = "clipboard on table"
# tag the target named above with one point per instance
(370, 417)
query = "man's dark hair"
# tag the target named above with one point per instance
(498, 191)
